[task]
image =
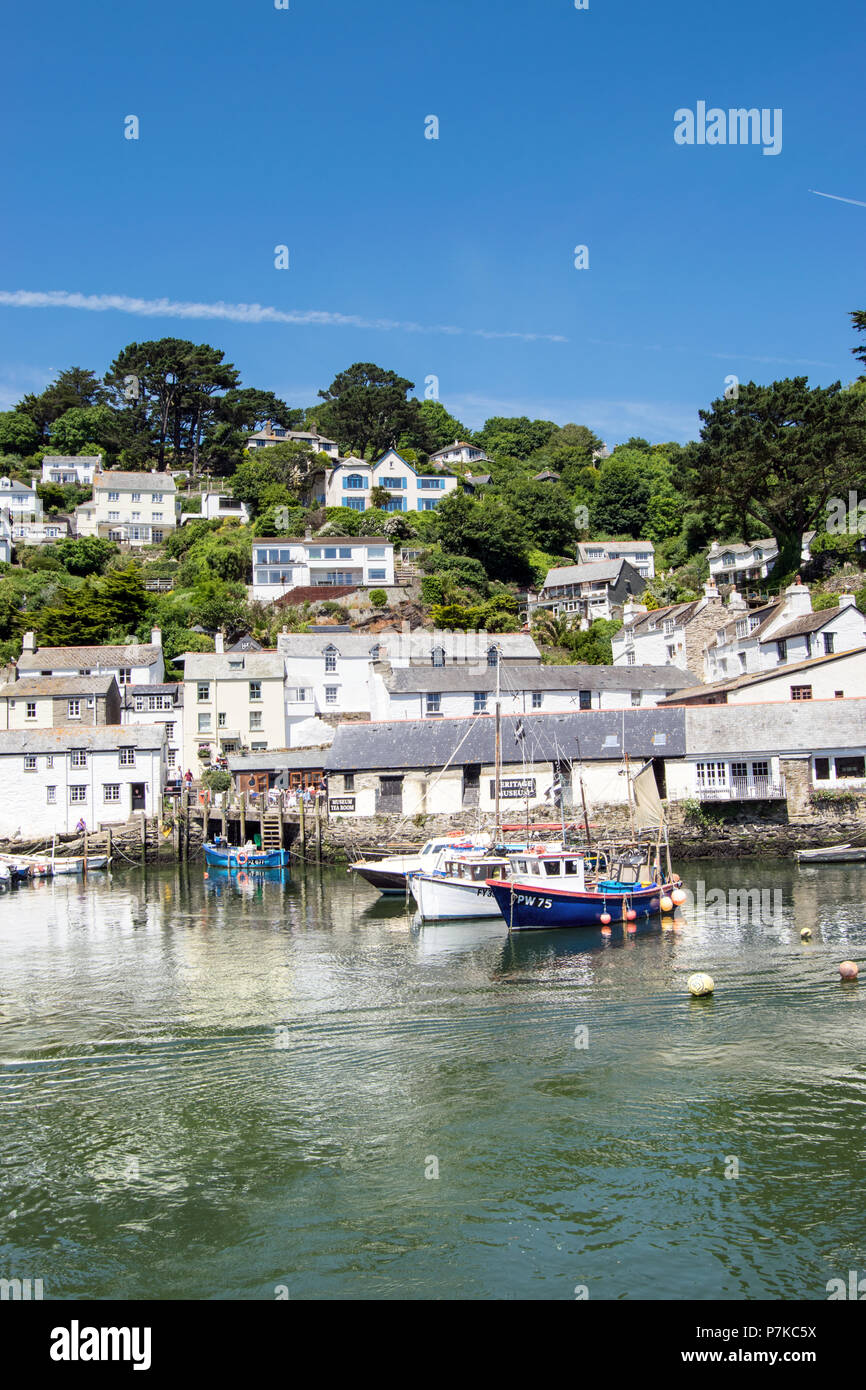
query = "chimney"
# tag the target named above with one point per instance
(711, 593)
(308, 534)
(219, 645)
(847, 601)
(798, 600)
(155, 637)
(632, 610)
(736, 601)
(28, 642)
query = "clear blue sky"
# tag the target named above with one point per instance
(306, 127)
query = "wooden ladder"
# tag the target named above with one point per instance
(272, 830)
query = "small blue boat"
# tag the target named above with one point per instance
(235, 859)
(549, 890)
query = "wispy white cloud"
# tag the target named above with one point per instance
(614, 420)
(836, 198)
(243, 313)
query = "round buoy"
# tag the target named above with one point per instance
(605, 931)
(630, 914)
(700, 984)
(848, 970)
(678, 896)
(666, 904)
(605, 919)
(806, 934)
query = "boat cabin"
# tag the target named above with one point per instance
(473, 870)
(568, 869)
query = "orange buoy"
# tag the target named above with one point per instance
(849, 970)
(605, 918)
(605, 931)
(630, 914)
(678, 897)
(666, 904)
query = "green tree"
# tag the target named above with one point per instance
(486, 530)
(121, 599)
(18, 433)
(85, 556)
(620, 501)
(79, 429)
(76, 388)
(517, 436)
(367, 408)
(74, 620)
(776, 455)
(545, 513)
(436, 428)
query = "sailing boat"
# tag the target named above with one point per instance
(591, 888)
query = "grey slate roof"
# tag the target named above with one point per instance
(217, 666)
(411, 679)
(103, 739)
(313, 644)
(291, 759)
(596, 572)
(810, 622)
(57, 685)
(755, 678)
(55, 658)
(679, 612)
(115, 481)
(412, 646)
(589, 734)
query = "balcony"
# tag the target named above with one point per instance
(744, 789)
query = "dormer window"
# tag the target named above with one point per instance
(438, 656)
(330, 658)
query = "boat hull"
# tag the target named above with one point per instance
(526, 908)
(442, 899)
(245, 861)
(388, 881)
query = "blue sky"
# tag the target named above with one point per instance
(305, 127)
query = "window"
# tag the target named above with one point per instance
(124, 675)
(348, 782)
(668, 627)
(392, 482)
(434, 702)
(822, 769)
(51, 795)
(635, 699)
(739, 772)
(850, 767)
(330, 659)
(74, 709)
(157, 537)
(711, 774)
(376, 552)
(171, 757)
(801, 692)
(438, 656)
(49, 761)
(829, 643)
(354, 480)
(537, 699)
(169, 731)
(492, 656)
(127, 757)
(157, 516)
(78, 758)
(761, 769)
(114, 516)
(114, 497)
(31, 709)
(255, 719)
(77, 793)
(111, 791)
(584, 698)
(431, 482)
(670, 653)
(377, 574)
(255, 690)
(203, 691)
(480, 703)
(728, 560)
(839, 694)
(629, 659)
(782, 651)
(136, 516)
(221, 720)
(355, 504)
(743, 627)
(297, 696)
(29, 762)
(157, 497)
(136, 497)
(330, 694)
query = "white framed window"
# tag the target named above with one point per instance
(78, 793)
(49, 761)
(221, 720)
(171, 756)
(330, 659)
(73, 709)
(29, 762)
(433, 702)
(330, 694)
(204, 723)
(124, 675)
(111, 791)
(255, 690)
(114, 516)
(537, 699)
(114, 497)
(78, 758)
(255, 719)
(203, 692)
(50, 795)
(31, 709)
(126, 757)
(136, 497)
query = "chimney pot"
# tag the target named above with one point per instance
(219, 643)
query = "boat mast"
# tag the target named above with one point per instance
(497, 766)
(583, 797)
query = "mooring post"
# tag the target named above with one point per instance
(302, 826)
(143, 838)
(243, 818)
(318, 830)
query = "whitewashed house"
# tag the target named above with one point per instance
(327, 676)
(352, 481)
(5, 539)
(437, 648)
(732, 562)
(281, 564)
(21, 502)
(271, 433)
(48, 530)
(640, 554)
(52, 778)
(160, 705)
(232, 701)
(675, 635)
(64, 469)
(587, 592)
(135, 508)
(838, 676)
(49, 702)
(132, 663)
(459, 452)
(782, 632)
(418, 692)
(219, 506)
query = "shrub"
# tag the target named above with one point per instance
(378, 598)
(216, 779)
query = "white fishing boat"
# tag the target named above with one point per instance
(455, 886)
(833, 854)
(74, 863)
(389, 874)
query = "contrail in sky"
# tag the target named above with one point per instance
(242, 313)
(837, 199)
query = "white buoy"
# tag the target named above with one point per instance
(805, 933)
(701, 984)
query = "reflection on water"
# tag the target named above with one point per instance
(211, 1088)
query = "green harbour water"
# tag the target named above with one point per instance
(214, 1091)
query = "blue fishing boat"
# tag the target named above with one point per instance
(554, 890)
(237, 859)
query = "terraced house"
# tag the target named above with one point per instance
(232, 701)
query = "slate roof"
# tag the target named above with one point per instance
(739, 548)
(106, 738)
(295, 645)
(130, 654)
(590, 734)
(405, 680)
(642, 547)
(810, 622)
(597, 571)
(321, 540)
(680, 612)
(291, 759)
(57, 685)
(216, 666)
(115, 480)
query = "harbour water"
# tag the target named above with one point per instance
(213, 1091)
